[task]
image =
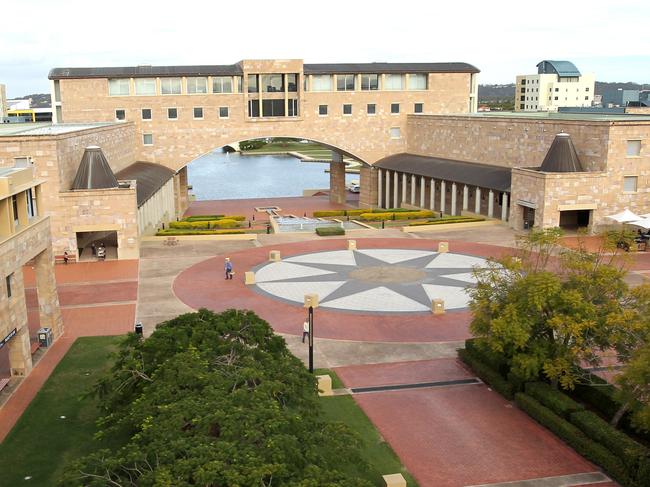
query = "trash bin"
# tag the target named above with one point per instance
(526, 225)
(138, 328)
(44, 337)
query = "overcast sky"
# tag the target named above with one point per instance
(501, 38)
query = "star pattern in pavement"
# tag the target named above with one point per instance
(372, 280)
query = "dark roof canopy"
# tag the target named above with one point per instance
(483, 175)
(562, 156)
(94, 171)
(235, 69)
(150, 178)
(561, 68)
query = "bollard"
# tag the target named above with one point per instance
(443, 247)
(324, 385)
(311, 300)
(249, 277)
(394, 480)
(438, 306)
(274, 256)
(352, 245)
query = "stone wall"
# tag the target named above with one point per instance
(160, 208)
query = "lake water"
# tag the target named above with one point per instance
(219, 176)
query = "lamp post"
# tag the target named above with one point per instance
(311, 302)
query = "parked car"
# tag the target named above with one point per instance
(354, 188)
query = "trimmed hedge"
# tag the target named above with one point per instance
(201, 218)
(327, 231)
(237, 218)
(599, 396)
(558, 402)
(401, 215)
(574, 437)
(441, 221)
(486, 373)
(177, 232)
(624, 447)
(482, 352)
(358, 212)
(224, 223)
(325, 213)
(390, 210)
(194, 225)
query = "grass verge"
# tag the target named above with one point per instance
(42, 442)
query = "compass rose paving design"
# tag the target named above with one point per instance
(372, 280)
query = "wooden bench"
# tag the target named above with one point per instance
(4, 383)
(35, 347)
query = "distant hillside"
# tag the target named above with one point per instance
(39, 100)
(501, 93)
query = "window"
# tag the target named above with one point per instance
(147, 139)
(8, 280)
(629, 184)
(395, 133)
(172, 113)
(24, 161)
(120, 114)
(146, 114)
(14, 205)
(344, 82)
(521, 106)
(272, 83)
(145, 86)
(252, 84)
(523, 81)
(322, 82)
(31, 203)
(292, 82)
(523, 90)
(587, 88)
(197, 85)
(239, 81)
(418, 107)
(556, 97)
(347, 109)
(223, 112)
(394, 82)
(170, 86)
(371, 108)
(557, 89)
(633, 148)
(369, 82)
(322, 109)
(253, 108)
(198, 113)
(587, 97)
(394, 108)
(119, 87)
(292, 104)
(273, 108)
(417, 81)
(222, 84)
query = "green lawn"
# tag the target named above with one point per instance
(378, 454)
(41, 442)
(287, 147)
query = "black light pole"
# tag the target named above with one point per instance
(311, 339)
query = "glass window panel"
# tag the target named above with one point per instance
(145, 86)
(347, 109)
(223, 112)
(322, 109)
(292, 82)
(253, 108)
(372, 108)
(395, 133)
(146, 114)
(293, 107)
(239, 83)
(345, 82)
(170, 86)
(119, 87)
(417, 81)
(418, 108)
(272, 83)
(629, 184)
(394, 108)
(222, 84)
(273, 108)
(252, 85)
(369, 82)
(633, 147)
(120, 114)
(147, 139)
(198, 112)
(197, 85)
(172, 113)
(394, 82)
(321, 82)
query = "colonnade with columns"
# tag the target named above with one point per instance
(395, 189)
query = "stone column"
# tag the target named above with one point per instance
(412, 189)
(504, 207)
(20, 353)
(387, 205)
(368, 196)
(337, 179)
(48, 299)
(432, 194)
(423, 190)
(477, 201)
(465, 198)
(443, 196)
(453, 198)
(403, 198)
(180, 191)
(396, 200)
(490, 204)
(380, 193)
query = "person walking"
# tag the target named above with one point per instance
(305, 331)
(228, 268)
(65, 257)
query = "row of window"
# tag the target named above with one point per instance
(172, 113)
(371, 109)
(266, 83)
(536, 90)
(526, 98)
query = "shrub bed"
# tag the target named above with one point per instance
(194, 225)
(486, 373)
(201, 218)
(481, 351)
(325, 213)
(629, 451)
(574, 437)
(599, 396)
(401, 215)
(327, 231)
(224, 223)
(556, 401)
(358, 212)
(441, 221)
(177, 232)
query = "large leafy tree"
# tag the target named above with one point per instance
(214, 400)
(550, 311)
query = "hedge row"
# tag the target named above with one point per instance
(600, 396)
(200, 225)
(487, 373)
(555, 400)
(327, 231)
(201, 218)
(574, 437)
(483, 353)
(401, 215)
(177, 232)
(326, 213)
(441, 221)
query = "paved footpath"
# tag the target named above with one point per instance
(97, 298)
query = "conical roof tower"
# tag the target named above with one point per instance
(562, 156)
(94, 171)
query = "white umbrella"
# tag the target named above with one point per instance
(626, 216)
(643, 223)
